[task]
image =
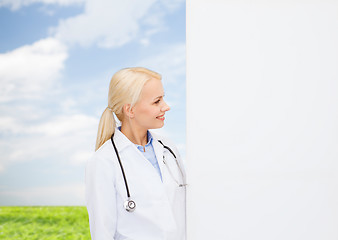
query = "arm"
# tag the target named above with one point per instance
(101, 198)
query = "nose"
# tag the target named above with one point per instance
(165, 107)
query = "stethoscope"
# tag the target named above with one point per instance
(129, 204)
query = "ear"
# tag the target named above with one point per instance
(128, 110)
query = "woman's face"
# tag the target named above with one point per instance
(150, 109)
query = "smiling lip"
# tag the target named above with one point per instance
(161, 117)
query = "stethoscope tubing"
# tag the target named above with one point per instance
(124, 175)
(168, 149)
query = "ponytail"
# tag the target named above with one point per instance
(106, 128)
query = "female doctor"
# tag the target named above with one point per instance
(135, 181)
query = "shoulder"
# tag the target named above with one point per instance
(100, 172)
(102, 157)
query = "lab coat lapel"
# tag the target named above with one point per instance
(158, 149)
(159, 152)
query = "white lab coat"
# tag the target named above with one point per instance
(160, 212)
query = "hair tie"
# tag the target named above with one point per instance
(110, 109)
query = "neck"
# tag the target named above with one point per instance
(134, 134)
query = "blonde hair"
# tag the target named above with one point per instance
(125, 87)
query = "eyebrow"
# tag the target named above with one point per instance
(159, 96)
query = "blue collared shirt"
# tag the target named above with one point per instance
(149, 153)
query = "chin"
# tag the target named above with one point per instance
(155, 126)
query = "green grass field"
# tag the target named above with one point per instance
(44, 223)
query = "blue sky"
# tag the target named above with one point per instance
(56, 61)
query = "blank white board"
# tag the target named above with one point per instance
(262, 120)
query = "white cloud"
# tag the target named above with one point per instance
(170, 63)
(9, 125)
(29, 81)
(70, 194)
(145, 41)
(63, 125)
(110, 24)
(17, 4)
(105, 23)
(173, 4)
(80, 157)
(28, 71)
(61, 136)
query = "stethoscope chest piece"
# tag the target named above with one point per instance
(130, 205)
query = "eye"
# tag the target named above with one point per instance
(159, 98)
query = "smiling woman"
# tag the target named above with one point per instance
(135, 181)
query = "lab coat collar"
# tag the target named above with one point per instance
(123, 142)
(120, 140)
